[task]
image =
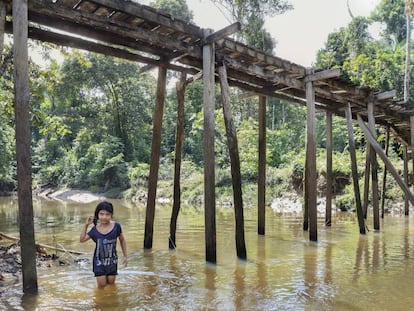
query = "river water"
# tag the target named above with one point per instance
(283, 271)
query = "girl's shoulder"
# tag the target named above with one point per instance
(117, 226)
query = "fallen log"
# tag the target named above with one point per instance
(39, 245)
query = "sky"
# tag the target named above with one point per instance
(299, 33)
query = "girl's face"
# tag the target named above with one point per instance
(104, 216)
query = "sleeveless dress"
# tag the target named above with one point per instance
(105, 258)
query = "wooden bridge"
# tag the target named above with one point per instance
(139, 33)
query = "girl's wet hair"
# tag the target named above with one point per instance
(106, 206)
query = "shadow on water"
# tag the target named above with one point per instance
(284, 271)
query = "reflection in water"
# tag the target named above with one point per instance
(210, 299)
(29, 302)
(107, 298)
(310, 257)
(284, 271)
(239, 286)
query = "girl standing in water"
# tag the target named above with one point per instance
(105, 234)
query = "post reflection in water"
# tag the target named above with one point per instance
(310, 258)
(361, 255)
(29, 302)
(261, 263)
(210, 272)
(239, 286)
(284, 271)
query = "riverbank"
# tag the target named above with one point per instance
(74, 195)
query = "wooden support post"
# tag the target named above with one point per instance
(412, 142)
(405, 159)
(235, 163)
(367, 177)
(155, 157)
(209, 158)
(384, 177)
(23, 139)
(404, 187)
(329, 175)
(261, 183)
(374, 169)
(310, 165)
(360, 215)
(179, 137)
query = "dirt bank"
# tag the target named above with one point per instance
(78, 196)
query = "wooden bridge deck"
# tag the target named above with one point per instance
(140, 33)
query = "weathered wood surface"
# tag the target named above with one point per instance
(374, 170)
(355, 181)
(129, 29)
(310, 164)
(23, 148)
(384, 176)
(329, 175)
(155, 157)
(235, 164)
(367, 178)
(261, 182)
(179, 138)
(405, 175)
(404, 187)
(209, 157)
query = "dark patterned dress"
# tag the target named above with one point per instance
(105, 258)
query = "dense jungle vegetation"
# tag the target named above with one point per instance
(92, 114)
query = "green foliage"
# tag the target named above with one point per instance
(251, 14)
(177, 8)
(391, 14)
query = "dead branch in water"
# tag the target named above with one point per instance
(38, 245)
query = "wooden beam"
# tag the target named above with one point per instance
(209, 158)
(385, 159)
(310, 164)
(79, 43)
(270, 60)
(179, 138)
(235, 164)
(23, 150)
(155, 157)
(384, 176)
(374, 169)
(222, 33)
(329, 175)
(261, 182)
(355, 181)
(117, 28)
(385, 95)
(323, 75)
(150, 14)
(367, 178)
(405, 170)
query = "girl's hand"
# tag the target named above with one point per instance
(125, 261)
(89, 221)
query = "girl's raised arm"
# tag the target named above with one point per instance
(84, 236)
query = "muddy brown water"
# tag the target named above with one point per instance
(284, 271)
